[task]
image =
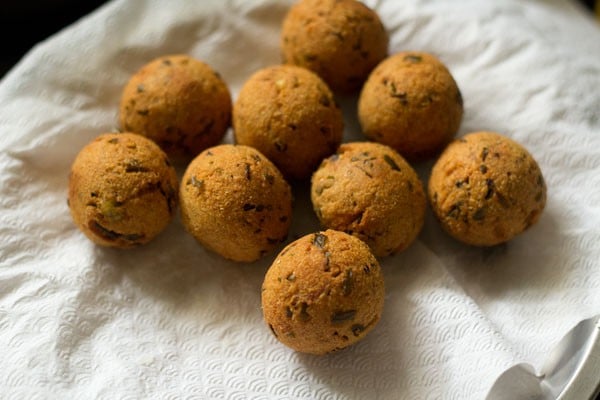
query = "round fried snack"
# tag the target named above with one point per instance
(369, 191)
(289, 114)
(179, 102)
(235, 202)
(485, 189)
(323, 292)
(411, 103)
(122, 190)
(340, 40)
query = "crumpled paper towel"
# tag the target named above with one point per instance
(171, 320)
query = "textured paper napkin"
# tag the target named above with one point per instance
(171, 320)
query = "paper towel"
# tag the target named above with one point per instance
(171, 320)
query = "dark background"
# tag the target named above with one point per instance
(24, 23)
(27, 22)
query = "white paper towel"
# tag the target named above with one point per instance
(171, 320)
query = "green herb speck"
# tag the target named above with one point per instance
(339, 317)
(413, 58)
(391, 162)
(319, 240)
(357, 329)
(347, 283)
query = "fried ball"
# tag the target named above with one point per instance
(411, 103)
(235, 202)
(368, 190)
(179, 102)
(289, 114)
(340, 40)
(122, 190)
(485, 189)
(323, 292)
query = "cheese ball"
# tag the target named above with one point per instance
(340, 40)
(289, 114)
(179, 102)
(122, 190)
(412, 103)
(485, 189)
(368, 190)
(323, 292)
(235, 202)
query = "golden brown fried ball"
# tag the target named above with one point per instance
(323, 292)
(340, 40)
(411, 103)
(289, 114)
(122, 190)
(235, 202)
(179, 102)
(368, 190)
(485, 189)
